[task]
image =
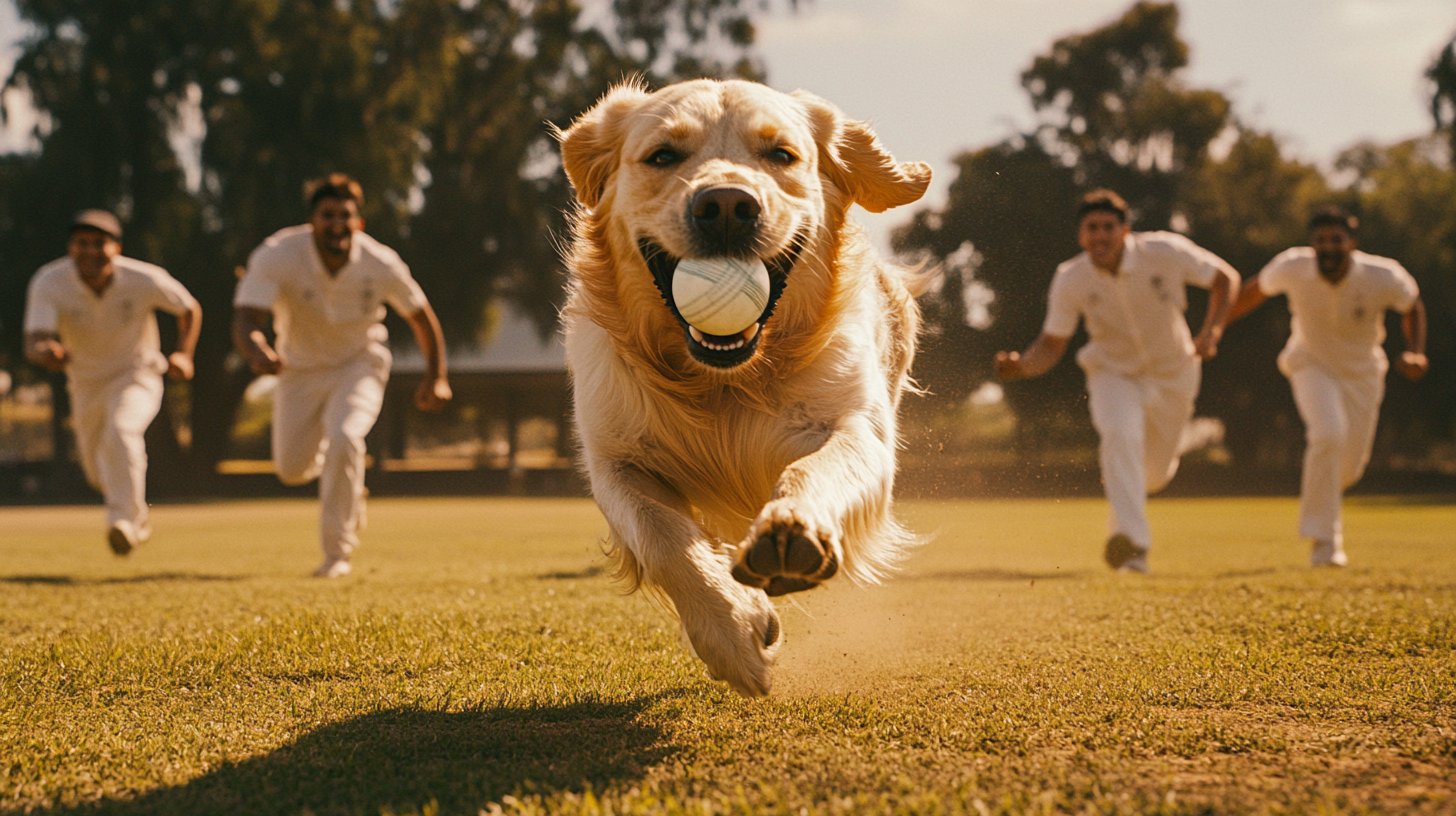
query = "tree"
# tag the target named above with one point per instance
(1115, 109)
(1442, 75)
(1113, 113)
(1009, 211)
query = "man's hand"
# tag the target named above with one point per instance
(1008, 366)
(433, 393)
(48, 352)
(179, 366)
(1205, 345)
(264, 360)
(1412, 365)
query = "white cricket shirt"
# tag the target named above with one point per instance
(1338, 326)
(1134, 318)
(110, 333)
(323, 319)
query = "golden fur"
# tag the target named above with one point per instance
(706, 473)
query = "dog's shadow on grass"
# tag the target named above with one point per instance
(401, 761)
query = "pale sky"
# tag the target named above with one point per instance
(940, 76)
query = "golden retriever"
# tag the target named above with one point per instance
(735, 468)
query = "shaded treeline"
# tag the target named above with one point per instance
(198, 121)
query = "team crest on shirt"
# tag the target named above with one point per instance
(1157, 282)
(367, 300)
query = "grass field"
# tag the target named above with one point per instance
(479, 661)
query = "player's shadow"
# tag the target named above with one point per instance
(158, 577)
(400, 761)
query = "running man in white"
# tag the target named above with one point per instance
(92, 314)
(1143, 365)
(1335, 360)
(325, 284)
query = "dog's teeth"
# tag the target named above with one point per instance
(750, 333)
(697, 335)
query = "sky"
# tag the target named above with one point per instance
(937, 77)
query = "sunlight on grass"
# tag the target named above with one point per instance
(479, 659)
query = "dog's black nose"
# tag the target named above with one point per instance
(726, 217)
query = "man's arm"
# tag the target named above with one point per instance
(1039, 357)
(1413, 364)
(189, 326)
(1251, 296)
(250, 341)
(1221, 295)
(434, 390)
(44, 349)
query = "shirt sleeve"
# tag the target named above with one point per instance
(1197, 266)
(259, 287)
(1274, 277)
(401, 291)
(1403, 289)
(171, 296)
(41, 314)
(1063, 311)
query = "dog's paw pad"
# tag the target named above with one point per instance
(786, 559)
(780, 585)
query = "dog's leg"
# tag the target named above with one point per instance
(836, 496)
(732, 628)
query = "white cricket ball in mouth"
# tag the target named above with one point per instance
(722, 296)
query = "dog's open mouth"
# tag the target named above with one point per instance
(721, 351)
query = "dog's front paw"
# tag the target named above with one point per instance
(737, 642)
(787, 551)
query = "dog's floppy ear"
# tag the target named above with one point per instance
(591, 147)
(852, 157)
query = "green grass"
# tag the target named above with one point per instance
(479, 660)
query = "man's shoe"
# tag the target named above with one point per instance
(1138, 565)
(122, 537)
(1122, 553)
(333, 569)
(1327, 554)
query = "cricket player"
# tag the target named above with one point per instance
(1335, 360)
(324, 284)
(92, 314)
(1143, 365)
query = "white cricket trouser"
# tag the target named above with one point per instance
(1340, 415)
(320, 419)
(1139, 421)
(110, 419)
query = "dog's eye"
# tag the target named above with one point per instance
(780, 155)
(663, 157)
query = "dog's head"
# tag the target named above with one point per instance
(709, 169)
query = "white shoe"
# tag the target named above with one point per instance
(122, 537)
(333, 569)
(1327, 554)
